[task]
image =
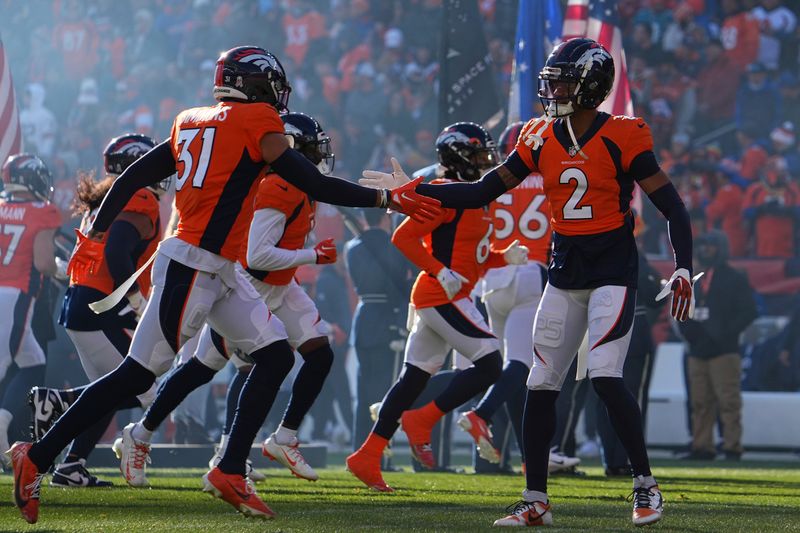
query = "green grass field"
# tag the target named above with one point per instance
(753, 497)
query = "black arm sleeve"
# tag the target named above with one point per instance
(156, 165)
(300, 172)
(123, 238)
(667, 200)
(478, 193)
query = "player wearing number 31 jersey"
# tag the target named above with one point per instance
(589, 161)
(218, 153)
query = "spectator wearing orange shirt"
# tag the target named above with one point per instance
(76, 39)
(739, 34)
(724, 212)
(773, 207)
(302, 24)
(753, 157)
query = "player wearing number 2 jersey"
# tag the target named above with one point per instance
(27, 224)
(452, 251)
(218, 153)
(590, 162)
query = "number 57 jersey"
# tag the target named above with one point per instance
(589, 192)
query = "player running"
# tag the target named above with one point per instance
(102, 340)
(589, 162)
(511, 294)
(452, 251)
(218, 153)
(28, 222)
(283, 219)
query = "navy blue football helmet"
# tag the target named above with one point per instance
(579, 73)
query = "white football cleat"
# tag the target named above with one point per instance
(133, 457)
(526, 514)
(252, 474)
(559, 461)
(648, 505)
(289, 456)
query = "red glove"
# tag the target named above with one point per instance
(405, 200)
(326, 252)
(86, 257)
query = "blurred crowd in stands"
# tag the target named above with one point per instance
(717, 80)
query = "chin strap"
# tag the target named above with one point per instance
(574, 140)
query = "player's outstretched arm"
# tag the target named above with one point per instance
(156, 165)
(300, 172)
(479, 193)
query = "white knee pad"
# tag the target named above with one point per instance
(543, 377)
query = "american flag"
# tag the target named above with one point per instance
(599, 20)
(10, 132)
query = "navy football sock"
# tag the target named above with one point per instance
(307, 385)
(189, 376)
(626, 418)
(272, 364)
(538, 427)
(406, 389)
(16, 395)
(100, 398)
(84, 443)
(511, 382)
(515, 406)
(471, 382)
(232, 399)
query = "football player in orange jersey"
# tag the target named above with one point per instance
(511, 294)
(28, 222)
(452, 251)
(589, 162)
(102, 340)
(282, 221)
(218, 152)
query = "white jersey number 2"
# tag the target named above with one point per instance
(571, 210)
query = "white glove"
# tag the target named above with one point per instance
(451, 281)
(61, 269)
(383, 180)
(682, 288)
(137, 302)
(516, 253)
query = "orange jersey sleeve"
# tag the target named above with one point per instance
(640, 140)
(408, 238)
(525, 146)
(20, 223)
(218, 155)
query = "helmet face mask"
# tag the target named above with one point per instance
(578, 74)
(27, 173)
(251, 74)
(466, 151)
(305, 135)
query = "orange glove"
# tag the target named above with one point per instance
(404, 199)
(326, 252)
(86, 257)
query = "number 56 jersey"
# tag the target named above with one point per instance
(589, 197)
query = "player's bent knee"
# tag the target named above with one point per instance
(147, 398)
(543, 378)
(491, 365)
(312, 344)
(278, 356)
